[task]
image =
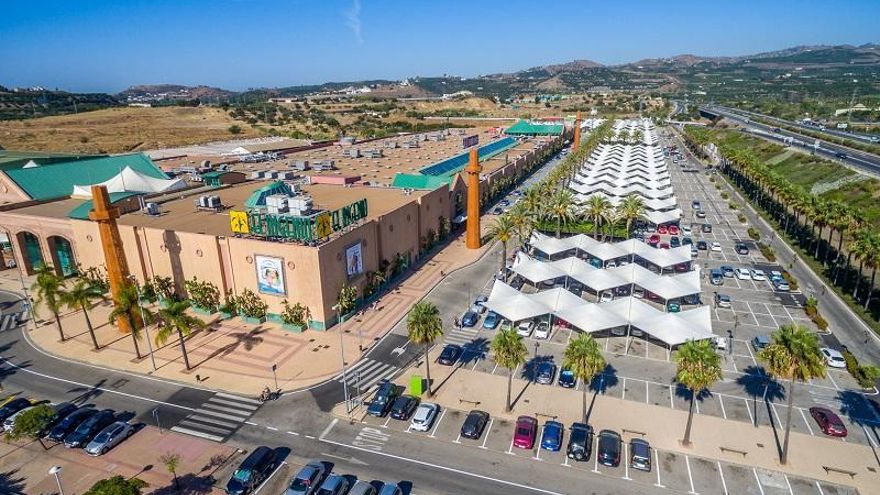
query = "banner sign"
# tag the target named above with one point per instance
(468, 141)
(270, 275)
(354, 260)
(260, 223)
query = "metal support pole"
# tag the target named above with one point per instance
(346, 395)
(156, 417)
(137, 289)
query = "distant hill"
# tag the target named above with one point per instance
(28, 103)
(158, 92)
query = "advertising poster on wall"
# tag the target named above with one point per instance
(354, 260)
(270, 275)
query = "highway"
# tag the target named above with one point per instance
(861, 160)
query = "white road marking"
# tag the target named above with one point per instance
(749, 409)
(487, 430)
(830, 375)
(266, 481)
(327, 429)
(721, 403)
(870, 439)
(723, 482)
(758, 480)
(671, 401)
(293, 433)
(626, 461)
(776, 413)
(819, 487)
(437, 424)
(271, 428)
(807, 422)
(623, 395)
(687, 461)
(510, 448)
(788, 484)
(647, 394)
(657, 470)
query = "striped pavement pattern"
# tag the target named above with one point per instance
(370, 372)
(12, 320)
(218, 417)
(462, 336)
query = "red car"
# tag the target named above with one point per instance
(654, 239)
(662, 229)
(829, 422)
(525, 432)
(673, 229)
(664, 245)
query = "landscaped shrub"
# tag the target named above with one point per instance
(792, 282)
(865, 375)
(164, 287)
(203, 294)
(767, 251)
(754, 234)
(250, 305)
(717, 186)
(295, 315)
(741, 218)
(733, 206)
(725, 196)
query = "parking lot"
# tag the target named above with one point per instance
(671, 471)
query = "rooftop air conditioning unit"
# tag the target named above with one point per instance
(152, 209)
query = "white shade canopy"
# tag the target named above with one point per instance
(663, 258)
(130, 180)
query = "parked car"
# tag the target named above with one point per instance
(673, 229)
(567, 378)
(474, 424)
(691, 299)
(109, 437)
(702, 246)
(545, 373)
(256, 467)
(700, 214)
(687, 241)
(542, 330)
(640, 454)
(424, 416)
(606, 296)
(758, 275)
(70, 423)
(685, 229)
(829, 422)
(674, 241)
(653, 240)
(307, 480)
(716, 277)
(741, 248)
(551, 437)
(384, 398)
(833, 358)
(638, 292)
(720, 342)
(389, 488)
(524, 432)
(694, 251)
(781, 285)
(706, 228)
(695, 205)
(9, 423)
(524, 328)
(469, 318)
(449, 355)
(727, 271)
(743, 274)
(89, 428)
(760, 342)
(662, 229)
(403, 407)
(491, 320)
(609, 448)
(663, 245)
(580, 442)
(335, 484)
(673, 307)
(362, 488)
(12, 406)
(722, 300)
(716, 246)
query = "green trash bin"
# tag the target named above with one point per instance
(416, 385)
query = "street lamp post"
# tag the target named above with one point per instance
(338, 309)
(56, 470)
(156, 417)
(27, 297)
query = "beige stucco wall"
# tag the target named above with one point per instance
(10, 192)
(42, 228)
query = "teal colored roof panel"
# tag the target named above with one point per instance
(453, 165)
(10, 159)
(526, 128)
(258, 198)
(56, 180)
(81, 212)
(415, 181)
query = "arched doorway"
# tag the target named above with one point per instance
(62, 255)
(31, 252)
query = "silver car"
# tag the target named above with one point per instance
(307, 480)
(109, 438)
(362, 488)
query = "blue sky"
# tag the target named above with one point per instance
(98, 45)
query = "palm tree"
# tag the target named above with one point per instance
(510, 352)
(631, 208)
(346, 299)
(125, 305)
(561, 208)
(860, 248)
(174, 319)
(699, 366)
(872, 260)
(584, 358)
(502, 231)
(596, 209)
(81, 296)
(523, 222)
(48, 288)
(423, 326)
(793, 355)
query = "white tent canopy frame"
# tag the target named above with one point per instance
(663, 258)
(130, 180)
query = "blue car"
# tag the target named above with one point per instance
(551, 439)
(567, 379)
(469, 319)
(491, 320)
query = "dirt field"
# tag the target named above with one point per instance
(118, 130)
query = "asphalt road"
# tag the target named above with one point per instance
(866, 138)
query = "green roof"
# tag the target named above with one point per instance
(258, 198)
(16, 159)
(81, 212)
(56, 180)
(524, 127)
(417, 181)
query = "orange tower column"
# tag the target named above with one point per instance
(576, 143)
(472, 172)
(114, 257)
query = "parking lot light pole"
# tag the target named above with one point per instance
(56, 470)
(338, 309)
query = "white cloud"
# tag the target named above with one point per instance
(353, 20)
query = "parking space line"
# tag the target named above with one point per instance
(831, 377)
(647, 393)
(494, 368)
(387, 421)
(870, 439)
(540, 435)
(758, 481)
(775, 413)
(458, 438)
(787, 483)
(488, 430)
(657, 463)
(749, 409)
(687, 461)
(804, 416)
(437, 424)
(671, 401)
(596, 456)
(623, 394)
(626, 461)
(723, 482)
(721, 403)
(264, 483)
(510, 448)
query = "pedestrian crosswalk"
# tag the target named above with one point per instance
(218, 417)
(12, 320)
(366, 374)
(462, 336)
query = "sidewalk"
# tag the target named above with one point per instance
(235, 356)
(664, 427)
(26, 465)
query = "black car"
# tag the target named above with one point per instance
(545, 373)
(62, 410)
(449, 355)
(706, 228)
(687, 241)
(252, 471)
(580, 442)
(474, 424)
(89, 428)
(13, 407)
(70, 423)
(567, 378)
(403, 407)
(383, 399)
(469, 318)
(741, 248)
(609, 448)
(674, 241)
(702, 246)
